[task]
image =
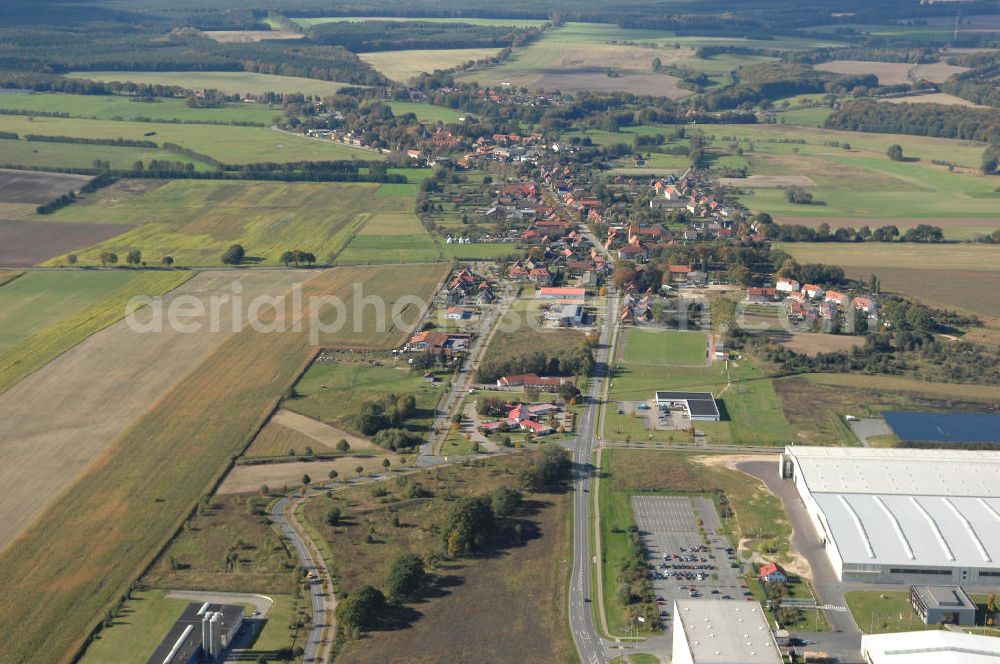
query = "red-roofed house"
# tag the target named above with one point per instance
(836, 296)
(773, 573)
(812, 290)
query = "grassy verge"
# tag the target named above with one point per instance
(878, 612)
(35, 351)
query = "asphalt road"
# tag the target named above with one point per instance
(589, 644)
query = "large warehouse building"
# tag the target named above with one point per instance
(902, 515)
(716, 631)
(930, 647)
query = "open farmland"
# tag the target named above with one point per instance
(36, 187)
(955, 228)
(227, 143)
(141, 487)
(195, 221)
(63, 416)
(289, 433)
(114, 107)
(37, 299)
(942, 98)
(393, 233)
(894, 73)
(26, 243)
(404, 65)
(36, 154)
(953, 276)
(308, 22)
(48, 339)
(230, 82)
(249, 36)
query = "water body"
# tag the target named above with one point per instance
(945, 427)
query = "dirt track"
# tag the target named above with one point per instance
(59, 419)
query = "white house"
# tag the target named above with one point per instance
(787, 286)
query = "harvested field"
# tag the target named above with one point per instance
(249, 36)
(248, 479)
(404, 65)
(942, 98)
(769, 181)
(814, 343)
(110, 525)
(938, 72)
(230, 82)
(62, 417)
(888, 73)
(27, 243)
(36, 187)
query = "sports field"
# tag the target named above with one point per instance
(665, 347)
(950, 276)
(227, 143)
(113, 107)
(230, 82)
(195, 221)
(150, 478)
(404, 65)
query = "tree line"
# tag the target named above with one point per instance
(568, 362)
(969, 124)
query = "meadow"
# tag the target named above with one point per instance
(195, 221)
(392, 233)
(32, 154)
(114, 107)
(308, 22)
(38, 299)
(45, 314)
(426, 112)
(665, 347)
(149, 481)
(950, 276)
(229, 82)
(229, 144)
(404, 65)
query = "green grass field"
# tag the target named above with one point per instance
(145, 620)
(226, 143)
(53, 332)
(195, 221)
(38, 299)
(392, 234)
(404, 65)
(112, 107)
(882, 612)
(514, 22)
(665, 347)
(70, 155)
(230, 82)
(479, 251)
(426, 112)
(335, 391)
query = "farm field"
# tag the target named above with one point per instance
(34, 154)
(230, 82)
(814, 343)
(951, 276)
(195, 221)
(935, 98)
(479, 251)
(62, 417)
(38, 299)
(227, 143)
(27, 243)
(404, 65)
(392, 233)
(955, 228)
(114, 107)
(244, 479)
(893, 73)
(510, 600)
(36, 187)
(150, 478)
(665, 347)
(289, 433)
(308, 22)
(250, 36)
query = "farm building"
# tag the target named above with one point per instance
(698, 406)
(943, 604)
(716, 631)
(201, 634)
(930, 647)
(902, 515)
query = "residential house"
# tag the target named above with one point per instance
(764, 294)
(813, 291)
(773, 573)
(787, 286)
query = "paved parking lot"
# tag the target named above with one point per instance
(679, 553)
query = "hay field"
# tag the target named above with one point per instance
(404, 65)
(113, 107)
(34, 154)
(501, 22)
(888, 73)
(577, 57)
(108, 526)
(195, 221)
(953, 276)
(230, 82)
(63, 416)
(229, 144)
(392, 234)
(941, 98)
